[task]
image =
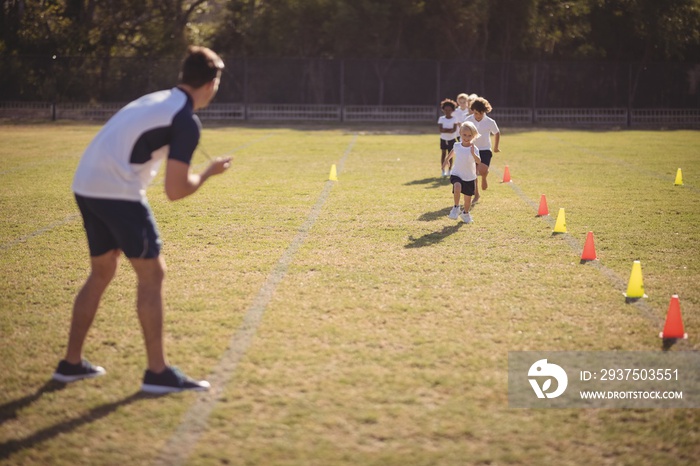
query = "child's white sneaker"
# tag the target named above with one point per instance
(454, 213)
(466, 217)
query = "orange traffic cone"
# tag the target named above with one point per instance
(506, 175)
(674, 323)
(589, 249)
(543, 210)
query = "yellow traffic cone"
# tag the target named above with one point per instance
(334, 174)
(679, 178)
(560, 226)
(635, 287)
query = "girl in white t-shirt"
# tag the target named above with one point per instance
(463, 178)
(448, 126)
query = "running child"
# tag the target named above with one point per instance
(486, 127)
(470, 101)
(462, 111)
(448, 126)
(463, 178)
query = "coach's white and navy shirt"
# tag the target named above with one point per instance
(124, 157)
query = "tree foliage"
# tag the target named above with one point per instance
(615, 30)
(97, 27)
(646, 29)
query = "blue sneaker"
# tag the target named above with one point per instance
(67, 372)
(171, 380)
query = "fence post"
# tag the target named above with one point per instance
(55, 88)
(629, 95)
(438, 91)
(245, 89)
(534, 93)
(342, 90)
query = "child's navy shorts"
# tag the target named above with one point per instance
(485, 157)
(447, 145)
(468, 187)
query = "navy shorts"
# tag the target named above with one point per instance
(468, 187)
(447, 145)
(118, 224)
(485, 157)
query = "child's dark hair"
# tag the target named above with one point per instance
(448, 103)
(481, 105)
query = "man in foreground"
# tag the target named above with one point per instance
(110, 190)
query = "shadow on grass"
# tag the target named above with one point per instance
(431, 216)
(9, 411)
(667, 343)
(433, 238)
(434, 182)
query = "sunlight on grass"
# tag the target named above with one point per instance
(387, 340)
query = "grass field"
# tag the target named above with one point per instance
(351, 322)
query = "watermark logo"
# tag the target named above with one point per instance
(542, 370)
(603, 379)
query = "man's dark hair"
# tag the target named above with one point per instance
(200, 66)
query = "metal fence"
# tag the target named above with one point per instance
(588, 117)
(366, 90)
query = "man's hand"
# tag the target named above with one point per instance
(179, 182)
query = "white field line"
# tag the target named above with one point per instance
(71, 217)
(40, 231)
(194, 423)
(25, 166)
(616, 281)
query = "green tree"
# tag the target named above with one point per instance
(279, 28)
(453, 30)
(320, 28)
(169, 24)
(376, 30)
(646, 30)
(509, 23)
(643, 31)
(92, 27)
(559, 29)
